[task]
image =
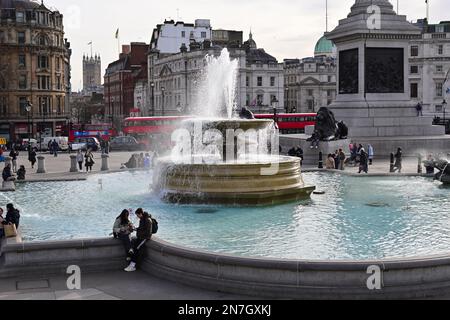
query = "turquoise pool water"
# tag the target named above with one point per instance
(357, 218)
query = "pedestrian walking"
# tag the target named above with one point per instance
(371, 153)
(14, 154)
(55, 147)
(342, 158)
(80, 159)
(32, 157)
(419, 109)
(398, 160)
(89, 160)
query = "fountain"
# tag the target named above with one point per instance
(225, 160)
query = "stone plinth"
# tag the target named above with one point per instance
(105, 162)
(41, 164)
(8, 186)
(73, 164)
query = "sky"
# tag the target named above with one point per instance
(284, 28)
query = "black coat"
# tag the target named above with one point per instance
(144, 231)
(13, 216)
(6, 173)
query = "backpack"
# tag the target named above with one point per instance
(154, 226)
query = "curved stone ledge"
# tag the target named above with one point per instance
(257, 277)
(272, 278)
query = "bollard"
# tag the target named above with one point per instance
(320, 160)
(419, 167)
(41, 164)
(392, 163)
(73, 164)
(105, 165)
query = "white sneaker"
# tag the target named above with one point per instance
(131, 267)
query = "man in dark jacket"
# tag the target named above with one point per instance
(143, 234)
(7, 174)
(12, 216)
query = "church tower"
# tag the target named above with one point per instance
(92, 78)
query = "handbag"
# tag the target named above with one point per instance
(10, 230)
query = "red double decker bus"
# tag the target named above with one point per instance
(291, 123)
(144, 128)
(103, 130)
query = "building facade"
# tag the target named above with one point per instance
(429, 59)
(92, 74)
(120, 81)
(34, 70)
(310, 83)
(173, 78)
(170, 36)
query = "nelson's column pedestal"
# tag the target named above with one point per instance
(373, 95)
(373, 88)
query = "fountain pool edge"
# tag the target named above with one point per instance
(416, 277)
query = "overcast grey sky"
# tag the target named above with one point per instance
(284, 28)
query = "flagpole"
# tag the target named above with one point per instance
(428, 10)
(91, 49)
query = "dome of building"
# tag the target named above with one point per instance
(324, 47)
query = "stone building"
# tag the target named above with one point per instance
(120, 82)
(310, 83)
(34, 70)
(92, 74)
(173, 77)
(429, 58)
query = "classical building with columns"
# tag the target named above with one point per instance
(310, 83)
(34, 70)
(173, 77)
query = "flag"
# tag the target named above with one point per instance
(117, 33)
(89, 43)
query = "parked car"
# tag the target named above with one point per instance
(63, 143)
(23, 144)
(85, 144)
(126, 144)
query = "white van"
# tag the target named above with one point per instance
(63, 143)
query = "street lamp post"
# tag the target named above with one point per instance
(444, 107)
(28, 108)
(163, 90)
(274, 103)
(287, 100)
(152, 85)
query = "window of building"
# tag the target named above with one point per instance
(43, 83)
(183, 34)
(414, 69)
(2, 83)
(247, 100)
(439, 68)
(21, 37)
(23, 104)
(22, 60)
(330, 79)
(44, 105)
(440, 29)
(20, 17)
(310, 92)
(247, 81)
(414, 90)
(272, 81)
(439, 86)
(204, 35)
(310, 105)
(58, 82)
(43, 41)
(438, 108)
(260, 81)
(22, 82)
(273, 98)
(43, 62)
(260, 99)
(440, 49)
(330, 93)
(414, 51)
(58, 105)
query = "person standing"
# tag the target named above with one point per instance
(341, 159)
(144, 234)
(14, 154)
(2, 229)
(32, 157)
(80, 160)
(89, 160)
(371, 153)
(337, 160)
(419, 109)
(330, 163)
(363, 163)
(398, 160)
(55, 147)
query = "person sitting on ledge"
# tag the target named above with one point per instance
(132, 163)
(21, 173)
(144, 234)
(122, 230)
(7, 174)
(330, 162)
(12, 215)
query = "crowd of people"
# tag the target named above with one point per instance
(123, 229)
(141, 161)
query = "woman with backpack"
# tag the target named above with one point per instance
(143, 234)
